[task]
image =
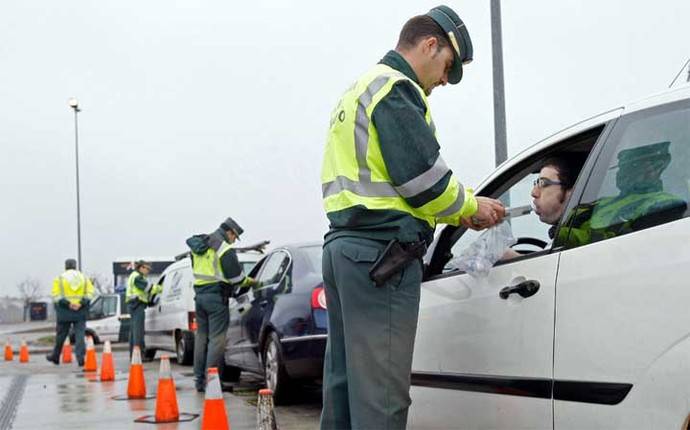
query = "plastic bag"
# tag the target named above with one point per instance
(478, 259)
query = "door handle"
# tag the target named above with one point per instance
(263, 304)
(524, 289)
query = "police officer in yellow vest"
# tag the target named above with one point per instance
(72, 293)
(217, 274)
(139, 294)
(385, 187)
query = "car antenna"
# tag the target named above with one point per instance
(687, 79)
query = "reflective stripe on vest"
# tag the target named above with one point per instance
(207, 268)
(354, 172)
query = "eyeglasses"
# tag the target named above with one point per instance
(545, 182)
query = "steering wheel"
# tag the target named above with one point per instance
(529, 241)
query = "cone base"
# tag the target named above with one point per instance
(126, 397)
(108, 380)
(151, 419)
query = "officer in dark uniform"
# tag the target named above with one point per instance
(217, 273)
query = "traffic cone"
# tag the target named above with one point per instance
(9, 354)
(265, 415)
(166, 399)
(67, 351)
(24, 353)
(136, 385)
(107, 367)
(215, 417)
(90, 365)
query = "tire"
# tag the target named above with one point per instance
(184, 347)
(230, 373)
(275, 375)
(149, 354)
(96, 340)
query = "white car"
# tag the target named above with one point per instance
(105, 319)
(171, 320)
(592, 334)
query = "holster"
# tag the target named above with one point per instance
(394, 258)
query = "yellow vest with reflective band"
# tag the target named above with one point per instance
(354, 172)
(134, 292)
(73, 286)
(207, 269)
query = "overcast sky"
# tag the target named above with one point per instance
(198, 110)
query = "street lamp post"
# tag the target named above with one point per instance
(74, 104)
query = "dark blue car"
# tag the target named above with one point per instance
(279, 330)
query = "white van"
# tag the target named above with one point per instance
(171, 319)
(590, 330)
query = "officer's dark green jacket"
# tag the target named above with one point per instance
(409, 148)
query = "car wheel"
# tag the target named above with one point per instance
(230, 373)
(185, 348)
(150, 354)
(96, 340)
(274, 369)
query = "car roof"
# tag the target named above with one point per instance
(297, 245)
(666, 96)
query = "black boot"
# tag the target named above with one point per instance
(52, 359)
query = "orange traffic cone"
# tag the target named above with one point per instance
(136, 386)
(90, 365)
(215, 417)
(107, 367)
(9, 354)
(166, 399)
(67, 351)
(265, 415)
(24, 353)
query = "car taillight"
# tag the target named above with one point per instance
(318, 298)
(191, 320)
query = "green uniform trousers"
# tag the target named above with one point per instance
(212, 319)
(136, 328)
(371, 334)
(62, 331)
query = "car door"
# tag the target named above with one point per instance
(483, 355)
(261, 304)
(111, 323)
(622, 348)
(239, 305)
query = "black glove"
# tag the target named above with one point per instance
(63, 303)
(85, 302)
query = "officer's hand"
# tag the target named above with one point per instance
(489, 213)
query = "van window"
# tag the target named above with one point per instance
(641, 179)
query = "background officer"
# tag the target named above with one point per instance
(72, 293)
(139, 294)
(217, 272)
(385, 187)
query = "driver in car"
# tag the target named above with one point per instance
(551, 192)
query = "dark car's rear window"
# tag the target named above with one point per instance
(313, 254)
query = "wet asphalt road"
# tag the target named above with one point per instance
(40, 395)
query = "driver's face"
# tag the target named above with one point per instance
(549, 201)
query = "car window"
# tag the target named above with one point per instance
(526, 226)
(110, 306)
(313, 254)
(642, 178)
(274, 268)
(96, 308)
